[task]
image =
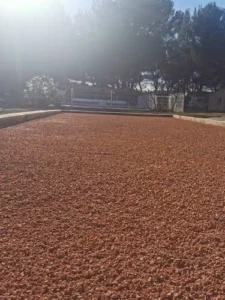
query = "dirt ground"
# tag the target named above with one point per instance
(112, 207)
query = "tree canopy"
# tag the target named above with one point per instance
(124, 44)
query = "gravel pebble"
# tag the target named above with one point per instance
(112, 207)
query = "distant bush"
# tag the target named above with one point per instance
(40, 91)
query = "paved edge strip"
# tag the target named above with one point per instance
(17, 118)
(138, 114)
(201, 120)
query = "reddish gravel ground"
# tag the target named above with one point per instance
(112, 207)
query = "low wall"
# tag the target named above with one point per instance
(201, 120)
(98, 103)
(17, 118)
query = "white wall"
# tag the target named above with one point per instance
(217, 101)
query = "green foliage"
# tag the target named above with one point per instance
(125, 44)
(209, 45)
(41, 91)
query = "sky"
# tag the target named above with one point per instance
(74, 5)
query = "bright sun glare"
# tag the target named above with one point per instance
(23, 5)
(20, 5)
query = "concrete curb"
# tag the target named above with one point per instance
(201, 120)
(17, 118)
(114, 113)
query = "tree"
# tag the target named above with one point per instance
(209, 46)
(122, 40)
(41, 90)
(118, 44)
(177, 69)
